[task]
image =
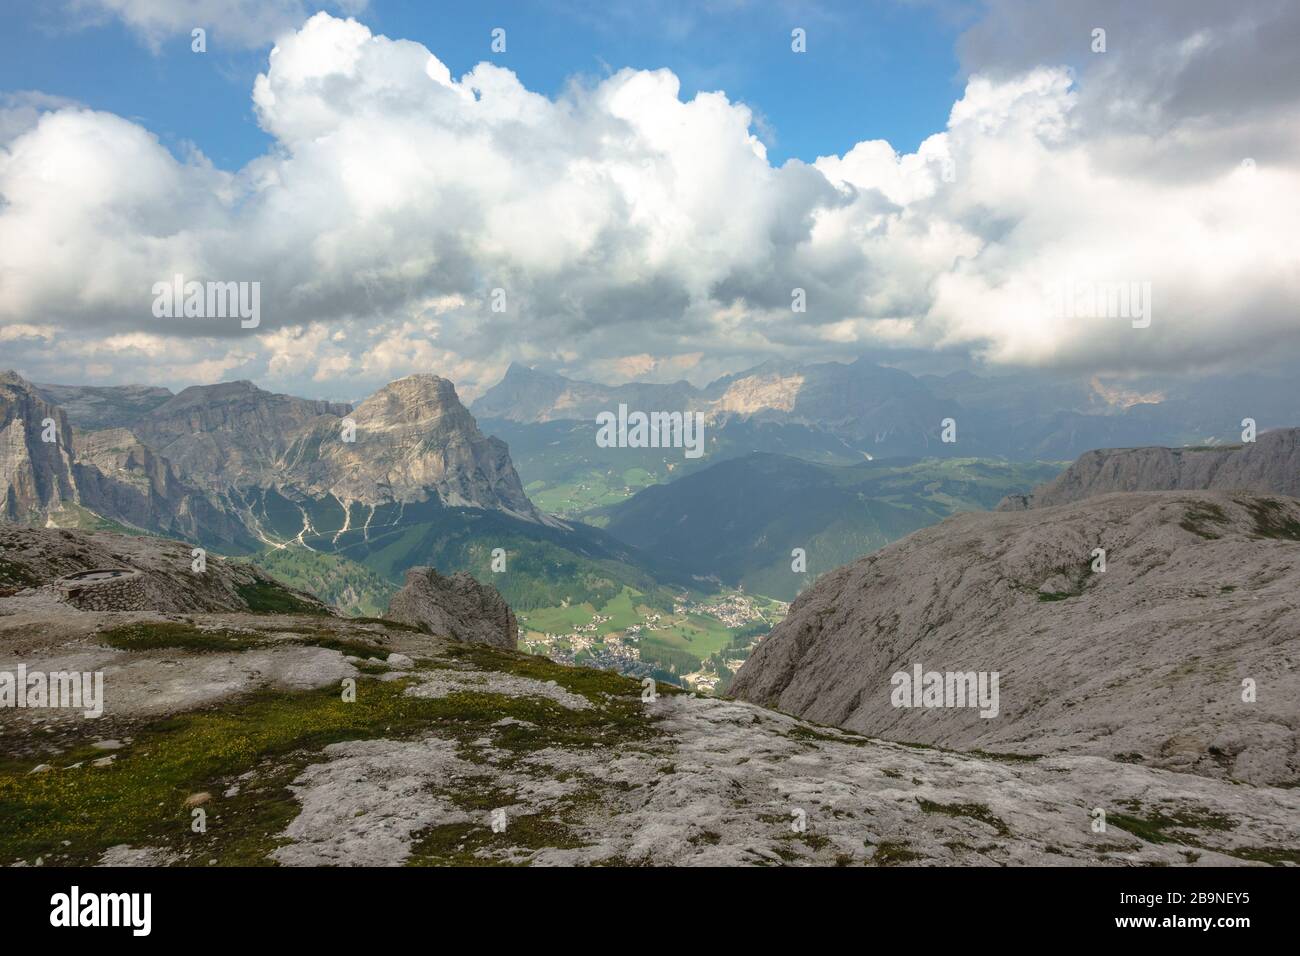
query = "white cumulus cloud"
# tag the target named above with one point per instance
(628, 229)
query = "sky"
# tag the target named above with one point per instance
(654, 190)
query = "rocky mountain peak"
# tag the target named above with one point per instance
(413, 437)
(415, 399)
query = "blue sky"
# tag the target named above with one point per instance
(874, 68)
(960, 159)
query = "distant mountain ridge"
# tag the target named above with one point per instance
(878, 409)
(405, 478)
(232, 434)
(1271, 464)
(882, 411)
(411, 440)
(104, 406)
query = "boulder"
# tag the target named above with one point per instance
(457, 607)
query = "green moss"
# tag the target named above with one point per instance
(157, 635)
(806, 733)
(974, 811)
(179, 635)
(1160, 827)
(1272, 855)
(1005, 758)
(475, 844)
(392, 625)
(596, 685)
(346, 646)
(891, 853)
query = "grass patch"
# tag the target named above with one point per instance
(598, 686)
(1272, 519)
(464, 844)
(385, 622)
(974, 811)
(347, 647)
(139, 799)
(891, 853)
(159, 635)
(805, 733)
(1199, 516)
(16, 576)
(1272, 855)
(1162, 827)
(1005, 758)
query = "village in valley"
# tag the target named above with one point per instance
(699, 645)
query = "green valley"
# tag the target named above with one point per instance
(739, 522)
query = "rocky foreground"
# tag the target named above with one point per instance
(310, 739)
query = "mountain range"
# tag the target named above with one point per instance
(404, 478)
(810, 457)
(882, 411)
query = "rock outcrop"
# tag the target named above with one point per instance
(121, 478)
(35, 563)
(36, 475)
(587, 768)
(1151, 660)
(1269, 465)
(457, 607)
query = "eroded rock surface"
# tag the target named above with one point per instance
(457, 606)
(1142, 662)
(1269, 465)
